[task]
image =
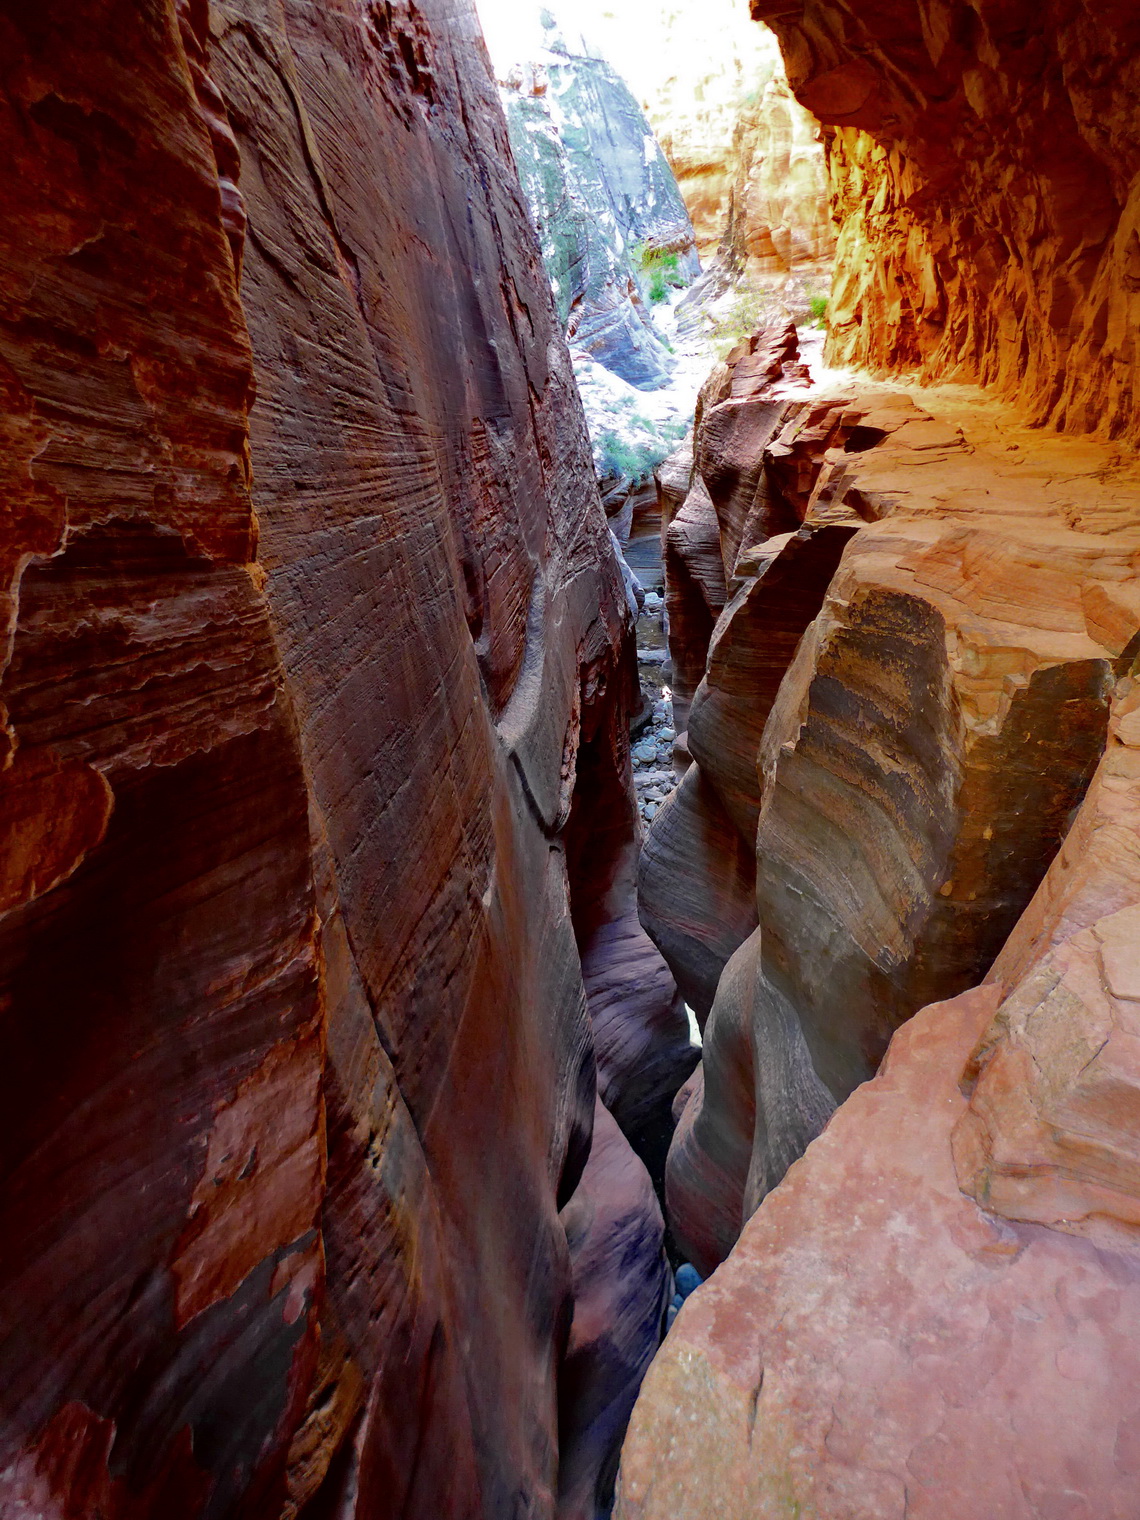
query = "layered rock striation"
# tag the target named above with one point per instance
(936, 1313)
(908, 1157)
(318, 666)
(903, 700)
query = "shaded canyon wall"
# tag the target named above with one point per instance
(603, 199)
(315, 643)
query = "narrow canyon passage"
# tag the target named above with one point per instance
(570, 785)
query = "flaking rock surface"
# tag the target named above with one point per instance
(985, 172)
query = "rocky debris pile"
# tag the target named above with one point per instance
(686, 1280)
(652, 748)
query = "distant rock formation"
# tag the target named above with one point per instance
(604, 200)
(749, 159)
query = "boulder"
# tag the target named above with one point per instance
(877, 1346)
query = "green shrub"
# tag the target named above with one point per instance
(618, 458)
(660, 268)
(747, 311)
(635, 461)
(817, 305)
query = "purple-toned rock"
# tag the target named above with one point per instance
(621, 1286)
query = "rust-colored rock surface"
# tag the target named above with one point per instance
(1051, 1134)
(905, 767)
(163, 1132)
(751, 648)
(878, 1346)
(696, 888)
(984, 165)
(697, 873)
(315, 643)
(932, 1313)
(897, 1332)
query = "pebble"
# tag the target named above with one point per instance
(646, 751)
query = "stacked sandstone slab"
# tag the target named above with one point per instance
(317, 669)
(915, 777)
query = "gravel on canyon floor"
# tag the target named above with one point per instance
(653, 774)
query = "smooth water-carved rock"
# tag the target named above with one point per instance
(896, 1333)
(697, 872)
(756, 1108)
(299, 1066)
(920, 770)
(907, 777)
(621, 1285)
(751, 648)
(696, 888)
(641, 1033)
(1052, 1132)
(695, 594)
(162, 1155)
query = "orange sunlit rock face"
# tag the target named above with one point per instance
(983, 169)
(915, 1260)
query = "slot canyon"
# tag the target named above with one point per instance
(570, 782)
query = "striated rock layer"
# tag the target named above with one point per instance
(315, 642)
(936, 1314)
(903, 699)
(929, 1308)
(985, 170)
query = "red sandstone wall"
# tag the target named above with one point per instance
(298, 1066)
